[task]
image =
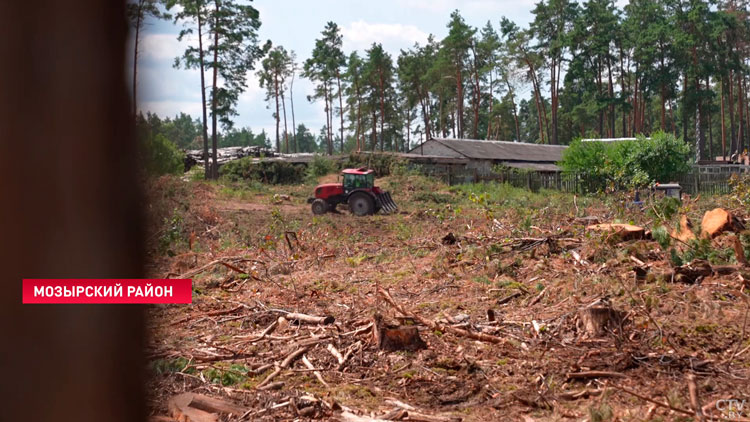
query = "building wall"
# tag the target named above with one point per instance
(481, 166)
(435, 148)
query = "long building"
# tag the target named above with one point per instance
(483, 155)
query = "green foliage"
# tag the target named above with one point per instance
(166, 366)
(381, 163)
(740, 185)
(660, 158)
(661, 235)
(232, 375)
(271, 172)
(320, 166)
(665, 208)
(171, 232)
(161, 156)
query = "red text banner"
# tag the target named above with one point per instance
(107, 290)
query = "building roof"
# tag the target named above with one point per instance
(531, 166)
(502, 150)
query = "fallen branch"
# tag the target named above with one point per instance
(650, 400)
(212, 313)
(331, 348)
(315, 371)
(198, 270)
(438, 326)
(283, 365)
(595, 374)
(694, 400)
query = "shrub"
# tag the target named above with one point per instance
(161, 156)
(272, 172)
(320, 166)
(381, 163)
(630, 163)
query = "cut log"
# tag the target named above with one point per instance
(190, 407)
(396, 338)
(600, 318)
(719, 220)
(684, 232)
(620, 231)
(310, 319)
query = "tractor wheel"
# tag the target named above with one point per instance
(361, 204)
(319, 206)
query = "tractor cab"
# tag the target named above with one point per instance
(358, 179)
(358, 191)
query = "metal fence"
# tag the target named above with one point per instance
(697, 180)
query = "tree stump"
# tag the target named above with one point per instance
(600, 318)
(719, 220)
(619, 231)
(391, 338)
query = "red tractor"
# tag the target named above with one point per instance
(358, 190)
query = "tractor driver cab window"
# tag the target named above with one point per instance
(348, 181)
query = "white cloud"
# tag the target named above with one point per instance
(162, 46)
(170, 108)
(360, 35)
(443, 6)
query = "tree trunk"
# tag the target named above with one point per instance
(408, 128)
(286, 130)
(515, 112)
(723, 126)
(374, 139)
(553, 101)
(624, 91)
(599, 92)
(382, 107)
(276, 96)
(294, 124)
(708, 115)
(214, 103)
(663, 92)
(360, 144)
(740, 107)
(138, 20)
(684, 108)
(477, 96)
(611, 100)
(671, 118)
(699, 130)
(730, 98)
(341, 110)
(441, 118)
(489, 117)
(206, 166)
(329, 143)
(537, 98)
(459, 103)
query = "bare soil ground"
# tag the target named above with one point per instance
(497, 303)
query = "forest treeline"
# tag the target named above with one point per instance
(586, 69)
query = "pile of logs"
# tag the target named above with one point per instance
(223, 155)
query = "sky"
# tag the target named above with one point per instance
(296, 24)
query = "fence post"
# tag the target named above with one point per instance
(697, 182)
